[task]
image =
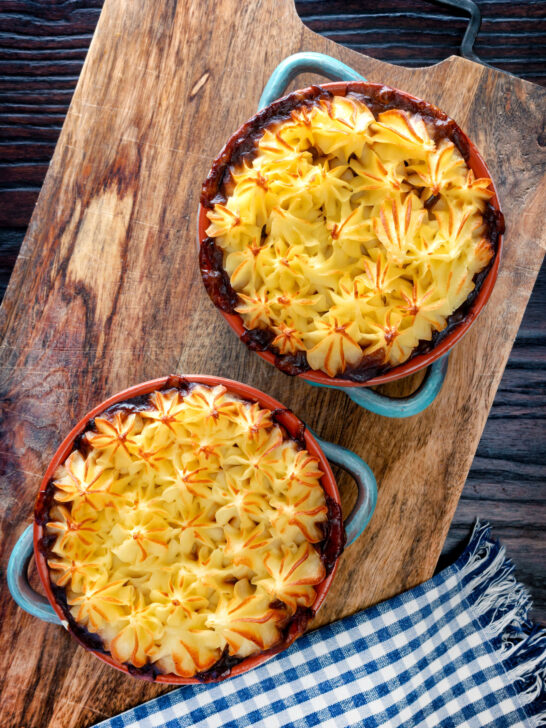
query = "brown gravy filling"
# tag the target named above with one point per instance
(243, 146)
(329, 549)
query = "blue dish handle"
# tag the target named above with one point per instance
(399, 407)
(18, 583)
(307, 62)
(363, 475)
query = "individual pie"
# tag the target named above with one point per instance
(186, 531)
(347, 231)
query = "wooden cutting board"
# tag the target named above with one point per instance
(106, 293)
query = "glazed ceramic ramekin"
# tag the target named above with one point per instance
(435, 356)
(30, 541)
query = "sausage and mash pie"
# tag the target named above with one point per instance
(186, 531)
(347, 231)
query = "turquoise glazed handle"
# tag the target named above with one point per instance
(18, 583)
(362, 474)
(307, 62)
(399, 407)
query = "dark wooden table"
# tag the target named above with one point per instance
(42, 48)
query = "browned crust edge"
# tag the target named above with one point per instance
(242, 146)
(329, 549)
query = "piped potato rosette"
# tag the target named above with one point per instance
(186, 529)
(346, 232)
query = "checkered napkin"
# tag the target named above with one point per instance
(458, 650)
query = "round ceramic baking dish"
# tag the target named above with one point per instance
(30, 543)
(434, 355)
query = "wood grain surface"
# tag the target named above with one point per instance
(42, 49)
(106, 293)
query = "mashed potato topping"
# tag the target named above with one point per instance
(183, 529)
(351, 237)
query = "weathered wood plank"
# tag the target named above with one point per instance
(106, 293)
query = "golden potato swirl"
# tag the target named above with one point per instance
(351, 237)
(183, 530)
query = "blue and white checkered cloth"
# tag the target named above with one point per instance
(459, 650)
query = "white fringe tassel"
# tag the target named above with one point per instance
(502, 606)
